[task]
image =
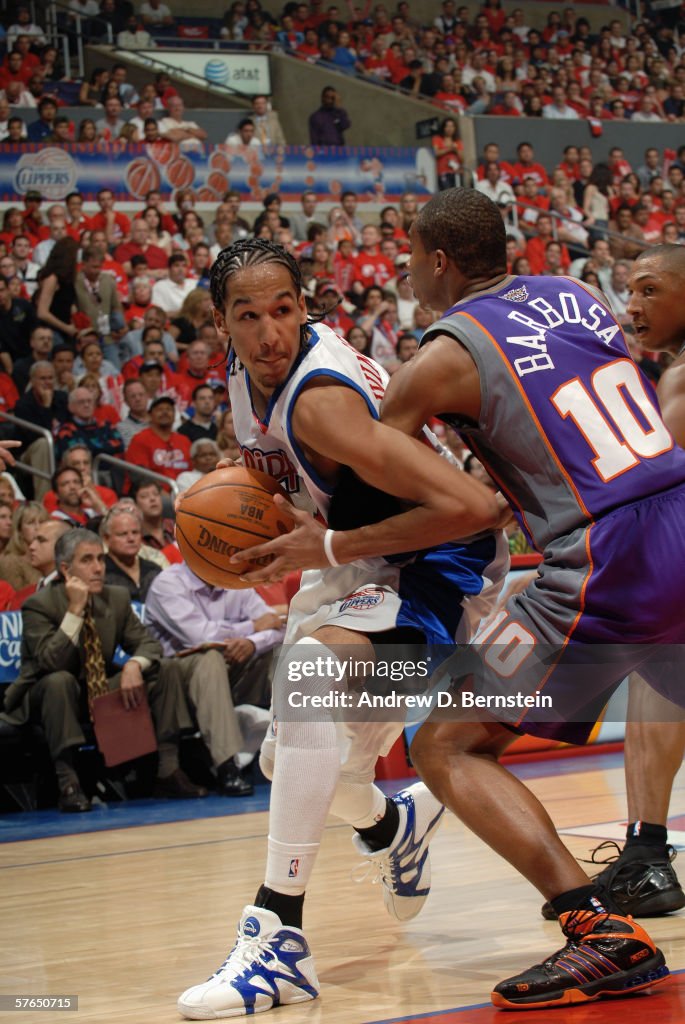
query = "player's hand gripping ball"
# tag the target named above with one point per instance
(221, 515)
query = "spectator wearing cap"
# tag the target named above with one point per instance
(417, 82)
(328, 300)
(202, 425)
(159, 447)
(170, 294)
(151, 376)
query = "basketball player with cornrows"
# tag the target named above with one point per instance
(305, 401)
(535, 375)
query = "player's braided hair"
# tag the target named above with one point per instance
(248, 252)
(251, 252)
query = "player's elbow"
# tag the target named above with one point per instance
(473, 511)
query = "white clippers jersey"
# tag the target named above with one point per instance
(269, 445)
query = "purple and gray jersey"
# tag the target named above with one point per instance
(569, 427)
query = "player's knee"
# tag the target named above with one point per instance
(437, 744)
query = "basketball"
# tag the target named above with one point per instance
(224, 513)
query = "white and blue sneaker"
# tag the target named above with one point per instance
(403, 868)
(270, 965)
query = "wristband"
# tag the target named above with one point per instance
(328, 548)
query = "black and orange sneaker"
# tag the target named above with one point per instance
(606, 955)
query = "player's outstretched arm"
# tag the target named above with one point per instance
(442, 377)
(332, 424)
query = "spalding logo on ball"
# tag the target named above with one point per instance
(221, 515)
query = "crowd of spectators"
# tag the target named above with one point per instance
(468, 60)
(106, 335)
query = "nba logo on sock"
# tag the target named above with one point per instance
(294, 869)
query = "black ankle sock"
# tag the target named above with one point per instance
(582, 899)
(288, 908)
(381, 835)
(645, 834)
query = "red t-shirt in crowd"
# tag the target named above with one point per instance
(123, 224)
(156, 258)
(105, 493)
(373, 268)
(537, 257)
(535, 171)
(169, 458)
(8, 392)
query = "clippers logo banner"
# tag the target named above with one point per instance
(374, 173)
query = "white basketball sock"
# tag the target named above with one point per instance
(306, 772)
(361, 805)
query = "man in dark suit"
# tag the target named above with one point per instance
(61, 625)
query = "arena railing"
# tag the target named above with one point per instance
(40, 432)
(121, 466)
(57, 7)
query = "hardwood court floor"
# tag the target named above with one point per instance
(127, 919)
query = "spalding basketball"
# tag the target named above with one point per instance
(224, 513)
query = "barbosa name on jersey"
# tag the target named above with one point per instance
(548, 316)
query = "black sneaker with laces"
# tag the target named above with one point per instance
(644, 886)
(605, 955)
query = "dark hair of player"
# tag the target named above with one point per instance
(469, 229)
